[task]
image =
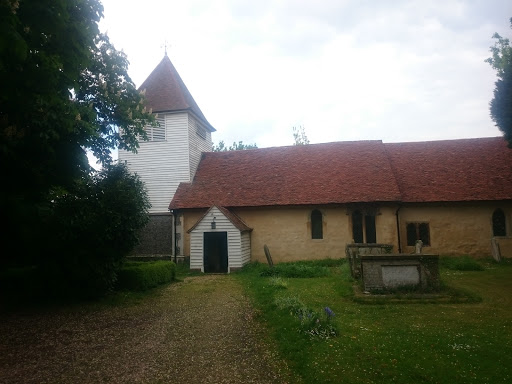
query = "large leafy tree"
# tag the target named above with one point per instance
(64, 90)
(501, 104)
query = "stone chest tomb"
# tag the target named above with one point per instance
(391, 271)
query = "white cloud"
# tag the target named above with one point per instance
(346, 70)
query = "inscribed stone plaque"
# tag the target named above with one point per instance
(399, 275)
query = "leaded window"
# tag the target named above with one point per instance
(418, 231)
(364, 229)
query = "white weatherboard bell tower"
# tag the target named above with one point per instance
(169, 157)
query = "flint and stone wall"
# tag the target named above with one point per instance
(156, 237)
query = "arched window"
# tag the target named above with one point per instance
(499, 225)
(316, 225)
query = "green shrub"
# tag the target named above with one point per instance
(462, 263)
(142, 275)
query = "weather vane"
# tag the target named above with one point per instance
(164, 46)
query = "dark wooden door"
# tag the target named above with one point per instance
(215, 252)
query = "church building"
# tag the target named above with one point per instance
(309, 202)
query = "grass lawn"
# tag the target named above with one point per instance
(389, 341)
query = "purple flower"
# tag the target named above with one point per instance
(329, 312)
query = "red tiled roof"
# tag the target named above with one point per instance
(351, 172)
(453, 170)
(343, 172)
(166, 92)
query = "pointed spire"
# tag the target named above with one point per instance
(166, 92)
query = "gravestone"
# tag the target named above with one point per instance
(269, 257)
(496, 252)
(419, 245)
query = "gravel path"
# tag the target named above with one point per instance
(197, 331)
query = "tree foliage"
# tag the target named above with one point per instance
(64, 90)
(501, 104)
(221, 147)
(299, 136)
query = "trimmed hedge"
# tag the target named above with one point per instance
(143, 275)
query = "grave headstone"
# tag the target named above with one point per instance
(419, 245)
(269, 257)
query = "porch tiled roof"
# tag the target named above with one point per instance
(166, 92)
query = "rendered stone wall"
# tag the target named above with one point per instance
(458, 229)
(287, 231)
(505, 244)
(455, 229)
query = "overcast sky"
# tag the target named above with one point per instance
(344, 69)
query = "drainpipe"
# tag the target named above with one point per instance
(398, 228)
(174, 216)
